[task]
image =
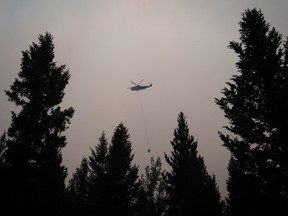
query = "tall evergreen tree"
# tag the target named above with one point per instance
(256, 104)
(2, 149)
(4, 192)
(98, 169)
(121, 173)
(191, 190)
(79, 190)
(34, 139)
(151, 198)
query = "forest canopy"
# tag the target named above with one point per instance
(108, 182)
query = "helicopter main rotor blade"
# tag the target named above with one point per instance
(133, 82)
(140, 82)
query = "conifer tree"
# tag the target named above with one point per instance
(2, 149)
(121, 173)
(98, 177)
(4, 192)
(34, 139)
(151, 198)
(256, 104)
(79, 190)
(190, 189)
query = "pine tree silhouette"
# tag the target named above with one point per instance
(151, 195)
(256, 104)
(121, 173)
(191, 190)
(98, 164)
(79, 190)
(34, 140)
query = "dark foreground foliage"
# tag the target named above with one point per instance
(32, 172)
(190, 189)
(256, 105)
(255, 101)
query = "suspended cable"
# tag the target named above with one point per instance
(144, 121)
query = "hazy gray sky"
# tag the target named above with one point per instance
(178, 45)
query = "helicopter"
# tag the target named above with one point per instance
(138, 87)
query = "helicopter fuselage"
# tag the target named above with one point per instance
(140, 87)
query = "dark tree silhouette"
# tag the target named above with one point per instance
(4, 172)
(98, 168)
(2, 149)
(121, 173)
(34, 139)
(151, 198)
(79, 190)
(88, 188)
(256, 104)
(191, 190)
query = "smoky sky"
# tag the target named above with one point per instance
(178, 46)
